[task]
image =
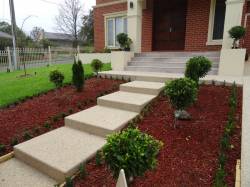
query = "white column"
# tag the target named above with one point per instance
(134, 17)
(233, 17)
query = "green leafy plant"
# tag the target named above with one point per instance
(225, 142)
(78, 75)
(14, 141)
(82, 171)
(182, 93)
(124, 41)
(106, 50)
(69, 182)
(131, 150)
(222, 160)
(2, 148)
(27, 135)
(96, 65)
(236, 33)
(57, 78)
(220, 178)
(98, 158)
(197, 67)
(47, 125)
(70, 111)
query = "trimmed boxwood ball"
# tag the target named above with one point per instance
(96, 65)
(131, 150)
(236, 33)
(197, 67)
(182, 93)
(78, 75)
(57, 78)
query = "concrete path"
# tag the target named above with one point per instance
(50, 158)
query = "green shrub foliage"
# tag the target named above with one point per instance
(197, 67)
(131, 150)
(57, 78)
(96, 65)
(181, 92)
(124, 41)
(237, 33)
(78, 75)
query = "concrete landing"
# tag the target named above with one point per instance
(126, 101)
(15, 173)
(152, 88)
(100, 120)
(163, 77)
(59, 152)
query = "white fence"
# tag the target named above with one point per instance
(35, 57)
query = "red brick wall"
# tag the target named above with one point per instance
(246, 40)
(147, 27)
(197, 26)
(104, 1)
(99, 26)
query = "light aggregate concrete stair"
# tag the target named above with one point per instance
(143, 87)
(100, 120)
(169, 62)
(60, 152)
(126, 101)
(50, 158)
(15, 173)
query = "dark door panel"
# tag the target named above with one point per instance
(169, 24)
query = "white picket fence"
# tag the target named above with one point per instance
(35, 57)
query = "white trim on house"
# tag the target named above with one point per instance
(210, 40)
(110, 3)
(110, 16)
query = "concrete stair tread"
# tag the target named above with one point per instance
(126, 100)
(59, 152)
(16, 173)
(145, 87)
(100, 120)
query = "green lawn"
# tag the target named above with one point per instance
(13, 87)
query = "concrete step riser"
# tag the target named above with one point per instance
(169, 60)
(164, 65)
(163, 70)
(177, 54)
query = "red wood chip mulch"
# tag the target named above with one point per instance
(33, 113)
(190, 152)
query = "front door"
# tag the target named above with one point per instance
(169, 25)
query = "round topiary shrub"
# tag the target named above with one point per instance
(131, 150)
(96, 65)
(197, 67)
(182, 93)
(236, 33)
(57, 78)
(78, 75)
(124, 41)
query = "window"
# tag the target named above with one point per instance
(115, 26)
(219, 19)
(216, 22)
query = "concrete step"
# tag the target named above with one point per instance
(15, 173)
(167, 59)
(162, 64)
(214, 71)
(143, 87)
(100, 120)
(126, 101)
(178, 54)
(60, 152)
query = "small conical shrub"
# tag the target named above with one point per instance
(78, 75)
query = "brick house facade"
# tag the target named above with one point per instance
(162, 27)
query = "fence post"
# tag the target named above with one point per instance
(50, 56)
(9, 59)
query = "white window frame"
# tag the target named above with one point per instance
(112, 16)
(210, 40)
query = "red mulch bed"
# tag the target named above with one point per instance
(190, 152)
(33, 113)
